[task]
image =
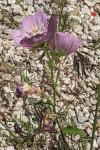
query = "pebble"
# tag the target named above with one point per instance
(98, 141)
(11, 1)
(10, 148)
(72, 113)
(93, 101)
(97, 8)
(89, 131)
(94, 35)
(86, 10)
(82, 119)
(90, 3)
(88, 146)
(29, 2)
(95, 145)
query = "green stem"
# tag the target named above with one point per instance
(95, 117)
(65, 144)
(54, 85)
(54, 89)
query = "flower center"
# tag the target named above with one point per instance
(38, 30)
(34, 31)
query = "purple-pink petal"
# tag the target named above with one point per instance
(17, 36)
(27, 24)
(37, 21)
(65, 41)
(35, 40)
(20, 90)
(52, 27)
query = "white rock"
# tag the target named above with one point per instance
(78, 29)
(88, 146)
(96, 28)
(89, 131)
(94, 35)
(98, 141)
(85, 110)
(11, 1)
(92, 101)
(10, 148)
(89, 38)
(97, 20)
(86, 10)
(91, 116)
(84, 36)
(29, 2)
(95, 145)
(24, 118)
(97, 8)
(72, 113)
(66, 80)
(82, 119)
(90, 3)
(80, 114)
(75, 18)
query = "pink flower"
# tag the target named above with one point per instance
(36, 29)
(64, 41)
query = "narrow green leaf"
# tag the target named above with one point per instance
(50, 64)
(57, 53)
(24, 78)
(74, 131)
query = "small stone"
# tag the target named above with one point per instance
(11, 1)
(97, 8)
(94, 35)
(89, 131)
(6, 44)
(92, 101)
(98, 141)
(88, 146)
(10, 148)
(82, 119)
(95, 145)
(78, 29)
(89, 38)
(29, 2)
(85, 110)
(86, 10)
(89, 3)
(24, 118)
(72, 113)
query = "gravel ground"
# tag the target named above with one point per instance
(79, 94)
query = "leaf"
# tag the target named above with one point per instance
(57, 53)
(74, 131)
(25, 78)
(50, 64)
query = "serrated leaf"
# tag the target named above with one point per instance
(74, 131)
